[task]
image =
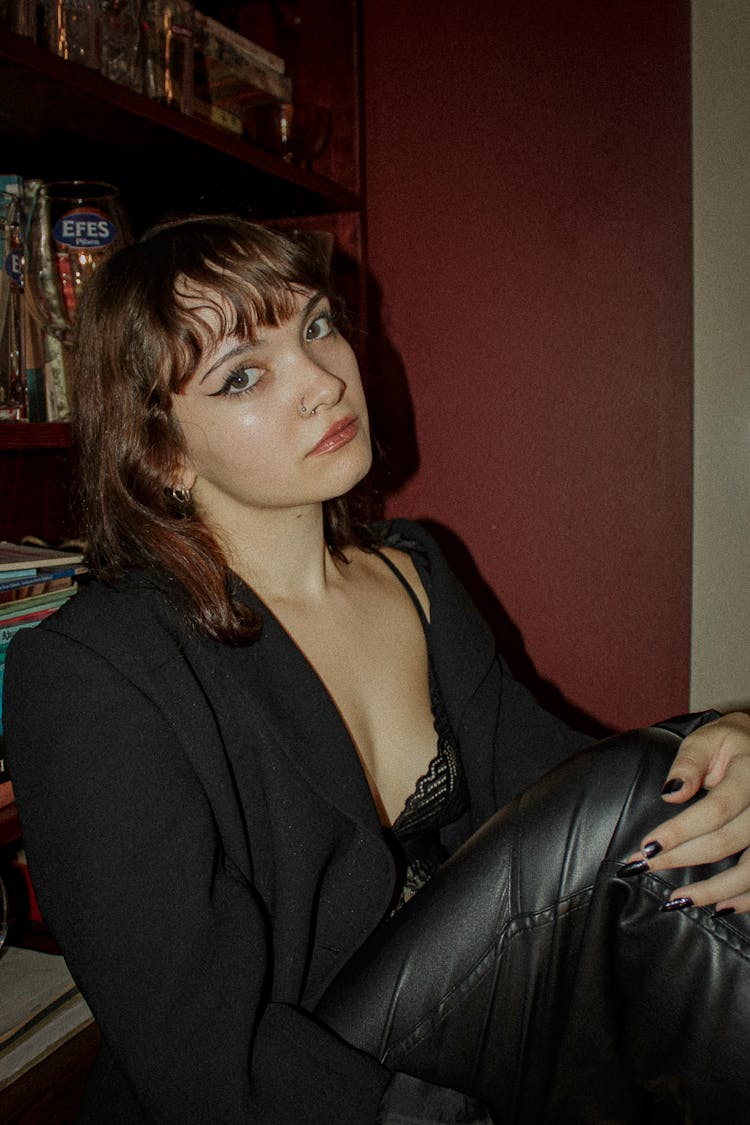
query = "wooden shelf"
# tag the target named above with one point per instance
(35, 435)
(76, 124)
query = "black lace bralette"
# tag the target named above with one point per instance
(440, 795)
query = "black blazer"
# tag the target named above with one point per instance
(205, 847)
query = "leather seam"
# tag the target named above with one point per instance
(483, 965)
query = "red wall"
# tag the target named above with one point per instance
(528, 202)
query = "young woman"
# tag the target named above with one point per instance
(267, 724)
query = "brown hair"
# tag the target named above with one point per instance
(136, 345)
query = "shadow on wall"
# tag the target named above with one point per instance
(396, 461)
(392, 422)
(508, 636)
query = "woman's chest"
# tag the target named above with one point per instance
(372, 661)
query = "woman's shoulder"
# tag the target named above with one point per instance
(431, 552)
(441, 560)
(132, 616)
(407, 535)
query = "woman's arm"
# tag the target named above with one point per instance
(167, 940)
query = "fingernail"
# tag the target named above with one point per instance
(677, 904)
(635, 867)
(652, 848)
(674, 785)
(725, 910)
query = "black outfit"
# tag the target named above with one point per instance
(207, 852)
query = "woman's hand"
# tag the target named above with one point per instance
(715, 757)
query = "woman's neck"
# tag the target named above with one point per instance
(283, 556)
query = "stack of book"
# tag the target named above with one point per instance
(34, 582)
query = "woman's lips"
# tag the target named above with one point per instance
(340, 433)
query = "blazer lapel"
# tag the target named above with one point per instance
(290, 698)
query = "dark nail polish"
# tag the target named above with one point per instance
(674, 785)
(725, 910)
(652, 848)
(677, 904)
(636, 867)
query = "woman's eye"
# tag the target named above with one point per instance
(240, 381)
(321, 327)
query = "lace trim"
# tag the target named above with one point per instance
(430, 802)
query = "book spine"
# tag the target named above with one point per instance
(33, 578)
(23, 606)
(9, 629)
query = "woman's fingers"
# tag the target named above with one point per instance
(712, 828)
(705, 756)
(716, 758)
(728, 892)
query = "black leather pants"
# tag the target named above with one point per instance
(529, 974)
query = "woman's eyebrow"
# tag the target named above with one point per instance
(245, 346)
(248, 345)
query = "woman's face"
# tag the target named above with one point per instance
(276, 423)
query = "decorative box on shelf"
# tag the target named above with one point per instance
(232, 74)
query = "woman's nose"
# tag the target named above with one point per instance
(319, 387)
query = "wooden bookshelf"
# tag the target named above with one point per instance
(35, 435)
(76, 124)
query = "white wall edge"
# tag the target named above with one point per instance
(720, 647)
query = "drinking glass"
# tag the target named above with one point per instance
(74, 27)
(6, 203)
(12, 367)
(74, 227)
(295, 132)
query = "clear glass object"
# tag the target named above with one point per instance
(295, 132)
(13, 398)
(121, 42)
(19, 16)
(73, 228)
(167, 29)
(75, 30)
